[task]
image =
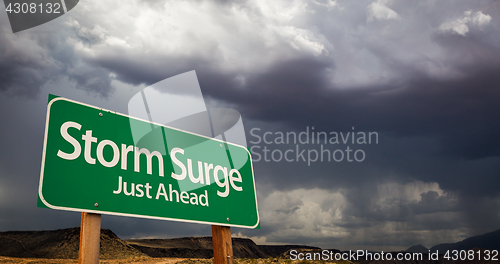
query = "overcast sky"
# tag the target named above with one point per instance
(422, 74)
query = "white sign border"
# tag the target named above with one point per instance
(125, 214)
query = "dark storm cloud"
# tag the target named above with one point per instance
(398, 208)
(457, 110)
(458, 113)
(25, 63)
(32, 59)
(453, 119)
(93, 79)
(432, 95)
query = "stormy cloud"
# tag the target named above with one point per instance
(422, 74)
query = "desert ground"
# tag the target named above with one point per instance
(157, 261)
(114, 261)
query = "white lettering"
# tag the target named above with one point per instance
(88, 138)
(76, 146)
(100, 156)
(225, 184)
(177, 162)
(149, 160)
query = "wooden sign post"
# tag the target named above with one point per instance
(223, 247)
(90, 235)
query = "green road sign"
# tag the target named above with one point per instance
(92, 164)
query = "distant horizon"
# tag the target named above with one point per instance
(267, 243)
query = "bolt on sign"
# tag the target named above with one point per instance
(91, 164)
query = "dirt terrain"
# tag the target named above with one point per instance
(160, 261)
(113, 261)
(201, 247)
(61, 246)
(64, 244)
